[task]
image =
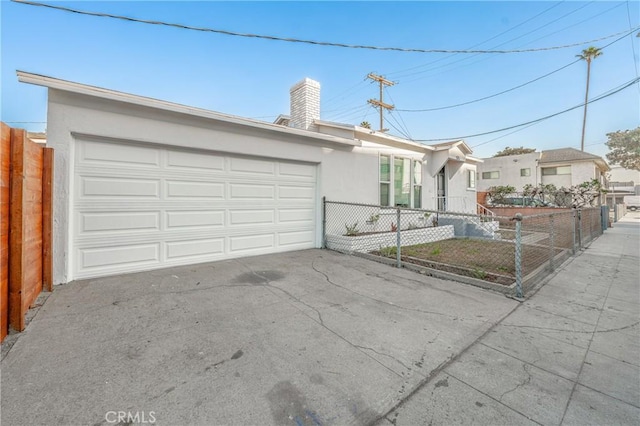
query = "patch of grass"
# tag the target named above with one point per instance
(479, 274)
(388, 251)
(352, 230)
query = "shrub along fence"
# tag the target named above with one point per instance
(26, 209)
(507, 254)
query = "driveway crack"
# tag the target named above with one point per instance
(328, 279)
(383, 354)
(525, 382)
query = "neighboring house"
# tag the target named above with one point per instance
(562, 167)
(622, 182)
(142, 183)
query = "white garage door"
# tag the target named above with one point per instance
(139, 207)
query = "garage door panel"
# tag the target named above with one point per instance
(251, 242)
(296, 215)
(250, 166)
(139, 208)
(194, 189)
(298, 170)
(251, 217)
(178, 220)
(295, 238)
(297, 192)
(92, 186)
(119, 255)
(115, 222)
(194, 248)
(105, 153)
(194, 161)
(251, 192)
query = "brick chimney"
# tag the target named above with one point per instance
(305, 104)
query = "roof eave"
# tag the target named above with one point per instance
(98, 92)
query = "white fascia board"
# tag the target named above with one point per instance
(98, 92)
(471, 159)
(368, 135)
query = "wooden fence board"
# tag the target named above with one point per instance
(47, 219)
(5, 158)
(25, 279)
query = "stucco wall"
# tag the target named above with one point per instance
(345, 173)
(457, 187)
(509, 168)
(580, 172)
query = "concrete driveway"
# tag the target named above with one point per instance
(311, 337)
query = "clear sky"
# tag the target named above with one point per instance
(251, 77)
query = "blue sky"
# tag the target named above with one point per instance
(251, 77)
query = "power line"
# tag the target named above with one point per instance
(633, 48)
(401, 123)
(513, 88)
(598, 98)
(599, 14)
(505, 135)
(297, 40)
(478, 44)
(493, 47)
(494, 95)
(396, 129)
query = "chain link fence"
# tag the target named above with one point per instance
(508, 254)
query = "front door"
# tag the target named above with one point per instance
(441, 190)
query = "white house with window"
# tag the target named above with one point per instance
(142, 183)
(562, 167)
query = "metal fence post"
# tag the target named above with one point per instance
(573, 231)
(398, 240)
(324, 223)
(518, 259)
(579, 228)
(551, 242)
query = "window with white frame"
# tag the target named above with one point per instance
(417, 184)
(385, 179)
(560, 170)
(525, 172)
(471, 179)
(400, 181)
(491, 175)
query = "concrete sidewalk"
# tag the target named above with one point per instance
(567, 356)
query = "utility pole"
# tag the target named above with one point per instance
(379, 102)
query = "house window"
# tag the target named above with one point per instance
(402, 184)
(471, 179)
(525, 172)
(385, 179)
(417, 184)
(490, 175)
(552, 171)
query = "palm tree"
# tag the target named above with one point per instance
(588, 55)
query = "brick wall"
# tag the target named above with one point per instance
(525, 211)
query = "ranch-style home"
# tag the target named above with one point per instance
(142, 183)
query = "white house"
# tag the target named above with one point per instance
(622, 182)
(142, 183)
(562, 167)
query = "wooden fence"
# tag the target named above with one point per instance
(26, 254)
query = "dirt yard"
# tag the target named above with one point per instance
(482, 259)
